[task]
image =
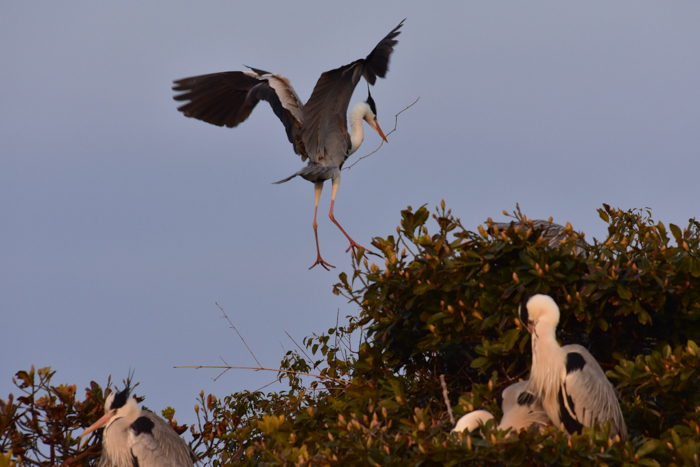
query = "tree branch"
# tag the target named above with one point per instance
(221, 367)
(396, 122)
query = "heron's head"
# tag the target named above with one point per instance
(508, 398)
(371, 116)
(539, 309)
(117, 405)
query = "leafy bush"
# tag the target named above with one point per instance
(446, 304)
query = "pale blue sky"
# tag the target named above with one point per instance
(122, 222)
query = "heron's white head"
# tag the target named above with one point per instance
(370, 115)
(509, 396)
(539, 311)
(471, 421)
(117, 405)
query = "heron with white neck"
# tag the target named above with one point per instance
(567, 380)
(135, 437)
(317, 130)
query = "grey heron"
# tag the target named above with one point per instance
(520, 408)
(317, 130)
(135, 437)
(568, 381)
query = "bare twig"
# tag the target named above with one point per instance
(447, 399)
(239, 334)
(299, 347)
(197, 367)
(396, 122)
(222, 373)
(337, 317)
(268, 384)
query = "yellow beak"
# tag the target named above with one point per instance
(98, 424)
(378, 129)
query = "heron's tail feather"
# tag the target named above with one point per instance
(286, 179)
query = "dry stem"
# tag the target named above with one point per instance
(447, 399)
(226, 368)
(396, 122)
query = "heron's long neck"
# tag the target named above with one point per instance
(116, 436)
(357, 132)
(547, 361)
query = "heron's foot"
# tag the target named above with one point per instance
(323, 264)
(354, 245)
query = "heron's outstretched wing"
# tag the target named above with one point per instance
(228, 98)
(586, 395)
(154, 443)
(325, 129)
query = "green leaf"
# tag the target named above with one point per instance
(648, 447)
(677, 234)
(509, 338)
(624, 293)
(479, 362)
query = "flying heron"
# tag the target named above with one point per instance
(520, 408)
(317, 130)
(135, 437)
(568, 381)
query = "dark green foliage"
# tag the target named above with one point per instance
(446, 304)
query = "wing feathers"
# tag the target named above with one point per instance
(586, 395)
(228, 98)
(377, 62)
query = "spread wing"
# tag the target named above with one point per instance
(325, 129)
(586, 396)
(154, 443)
(228, 98)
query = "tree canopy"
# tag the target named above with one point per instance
(445, 304)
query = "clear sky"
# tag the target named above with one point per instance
(123, 222)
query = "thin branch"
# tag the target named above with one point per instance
(239, 334)
(299, 347)
(268, 384)
(337, 317)
(396, 122)
(447, 399)
(197, 367)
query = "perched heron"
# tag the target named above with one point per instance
(554, 233)
(568, 381)
(317, 130)
(520, 408)
(134, 437)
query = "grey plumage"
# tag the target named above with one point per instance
(568, 381)
(520, 408)
(317, 130)
(134, 437)
(520, 411)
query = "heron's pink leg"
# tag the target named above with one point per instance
(318, 187)
(353, 243)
